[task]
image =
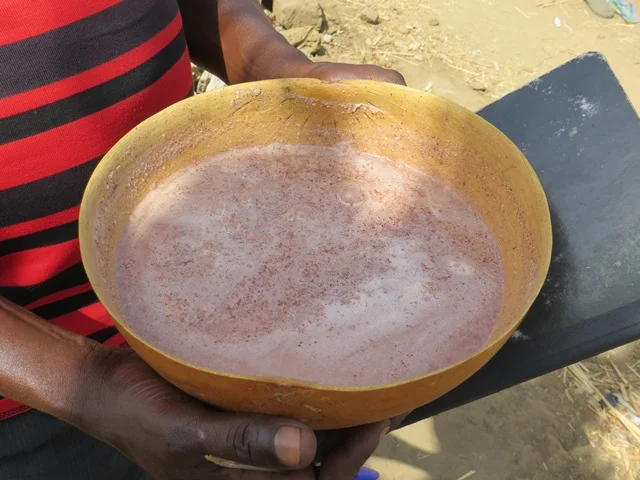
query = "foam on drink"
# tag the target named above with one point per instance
(320, 264)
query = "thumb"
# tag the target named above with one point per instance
(258, 441)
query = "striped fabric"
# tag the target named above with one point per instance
(75, 76)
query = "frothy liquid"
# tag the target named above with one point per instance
(313, 263)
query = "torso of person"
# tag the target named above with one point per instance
(75, 76)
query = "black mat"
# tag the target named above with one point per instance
(582, 136)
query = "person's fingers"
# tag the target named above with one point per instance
(327, 440)
(256, 441)
(344, 461)
(384, 74)
(396, 421)
(334, 72)
(368, 72)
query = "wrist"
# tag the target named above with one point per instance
(99, 393)
(120, 388)
(44, 366)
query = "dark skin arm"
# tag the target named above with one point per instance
(114, 396)
(234, 40)
(42, 365)
(111, 394)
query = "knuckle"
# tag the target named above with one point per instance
(244, 439)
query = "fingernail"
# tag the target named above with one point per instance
(385, 430)
(287, 445)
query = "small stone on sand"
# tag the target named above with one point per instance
(370, 15)
(478, 86)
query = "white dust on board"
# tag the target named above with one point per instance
(587, 110)
(560, 131)
(518, 336)
(535, 83)
(585, 107)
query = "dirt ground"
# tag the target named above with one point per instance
(546, 429)
(473, 52)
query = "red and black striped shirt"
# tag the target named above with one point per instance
(75, 76)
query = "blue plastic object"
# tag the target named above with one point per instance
(367, 473)
(625, 9)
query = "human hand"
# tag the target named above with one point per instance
(169, 434)
(334, 72)
(234, 40)
(343, 452)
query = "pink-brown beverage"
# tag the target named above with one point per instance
(319, 264)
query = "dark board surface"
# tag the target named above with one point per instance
(580, 133)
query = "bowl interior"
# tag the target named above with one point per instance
(427, 132)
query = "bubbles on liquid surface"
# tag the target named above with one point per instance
(459, 267)
(243, 252)
(350, 194)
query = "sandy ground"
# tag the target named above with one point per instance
(534, 431)
(473, 52)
